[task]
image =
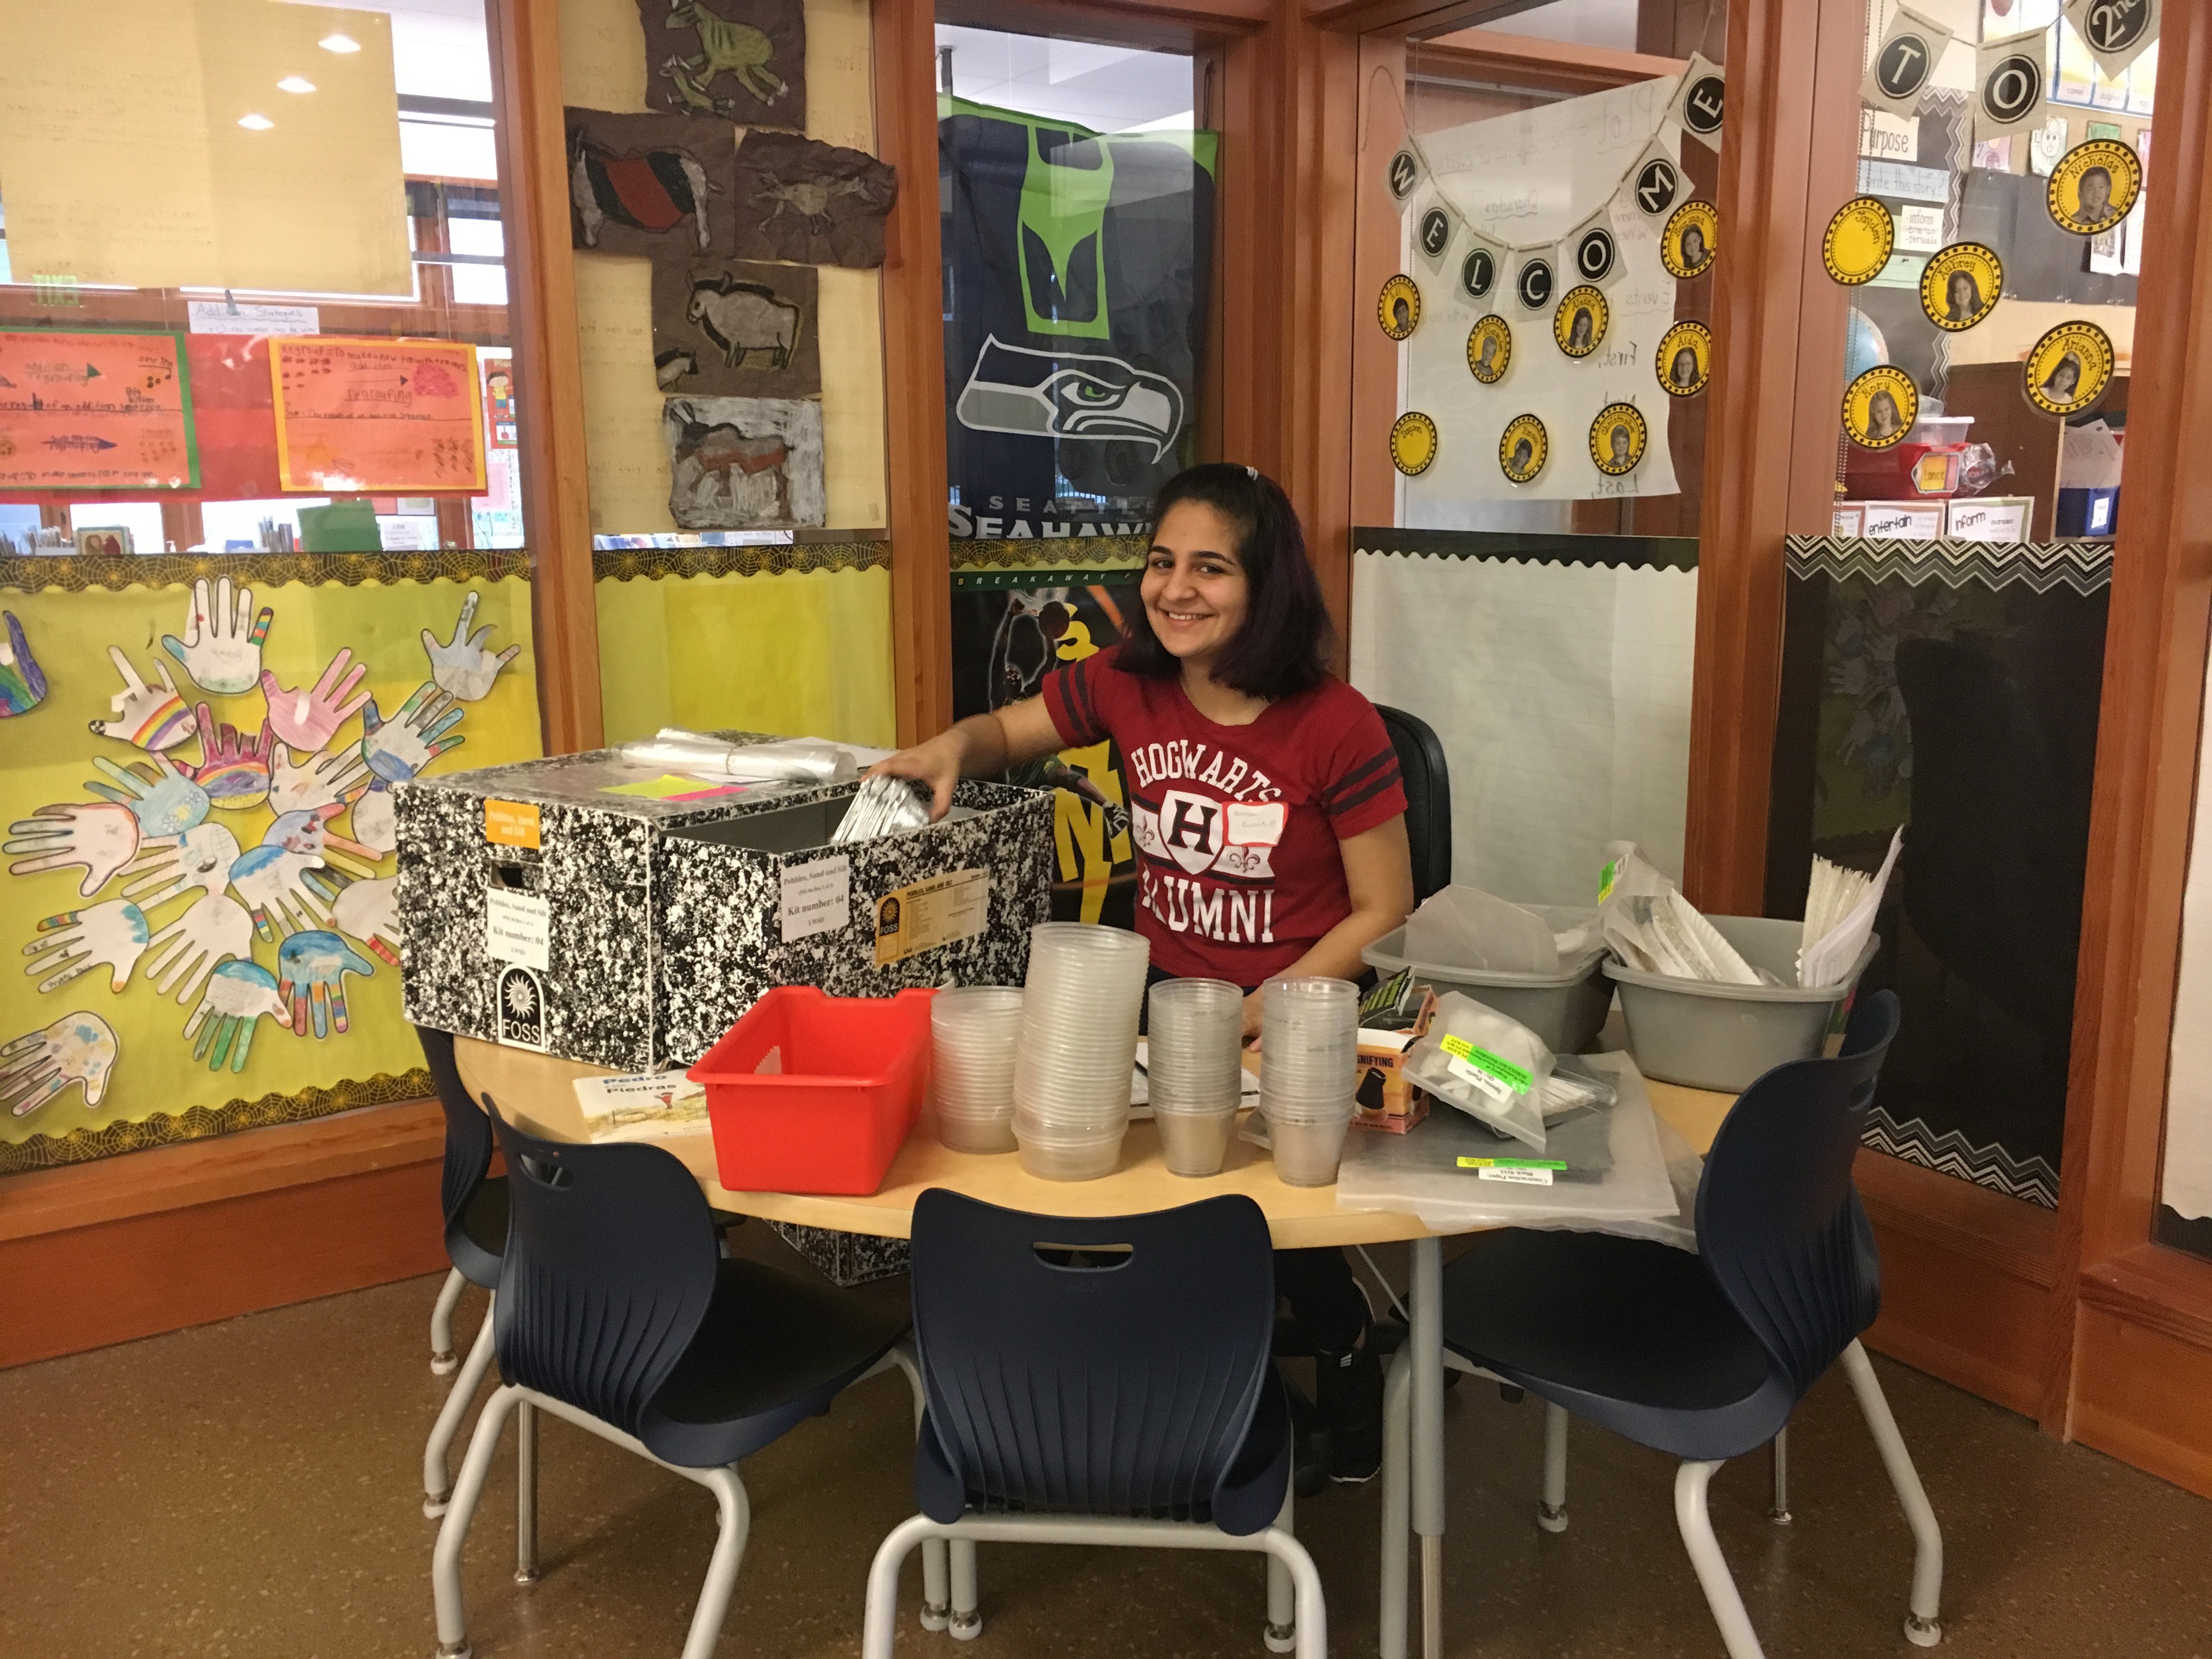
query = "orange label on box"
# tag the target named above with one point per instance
(511, 824)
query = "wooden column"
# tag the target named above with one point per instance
(1789, 160)
(2129, 1368)
(556, 504)
(904, 33)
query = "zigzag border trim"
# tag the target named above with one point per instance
(2085, 566)
(2030, 1179)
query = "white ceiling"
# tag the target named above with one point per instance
(1579, 22)
(439, 49)
(1106, 89)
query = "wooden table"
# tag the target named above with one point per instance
(535, 1091)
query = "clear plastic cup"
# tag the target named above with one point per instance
(1309, 1049)
(1307, 1154)
(973, 1031)
(1083, 994)
(1054, 1152)
(1195, 1143)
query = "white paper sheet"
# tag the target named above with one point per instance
(2185, 1185)
(1561, 694)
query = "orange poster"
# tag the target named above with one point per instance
(377, 417)
(95, 411)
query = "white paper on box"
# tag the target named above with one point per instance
(1919, 229)
(1992, 518)
(517, 928)
(817, 898)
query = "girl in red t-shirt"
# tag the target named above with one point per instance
(1265, 805)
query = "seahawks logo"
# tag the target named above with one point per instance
(1060, 394)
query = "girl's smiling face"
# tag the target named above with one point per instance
(1195, 591)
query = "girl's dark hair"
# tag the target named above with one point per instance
(1279, 650)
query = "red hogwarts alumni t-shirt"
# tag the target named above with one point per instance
(1236, 827)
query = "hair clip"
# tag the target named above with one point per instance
(1253, 473)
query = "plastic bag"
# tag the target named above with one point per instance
(1840, 912)
(694, 753)
(883, 805)
(1651, 928)
(1466, 928)
(1491, 1067)
(1574, 1085)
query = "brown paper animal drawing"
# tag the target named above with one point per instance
(647, 184)
(744, 463)
(745, 60)
(734, 328)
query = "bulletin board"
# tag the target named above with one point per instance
(381, 416)
(199, 863)
(96, 410)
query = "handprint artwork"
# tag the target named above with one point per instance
(22, 685)
(314, 966)
(399, 748)
(304, 719)
(100, 840)
(145, 717)
(238, 995)
(230, 852)
(78, 1047)
(234, 768)
(462, 666)
(221, 646)
(163, 799)
(114, 934)
(325, 776)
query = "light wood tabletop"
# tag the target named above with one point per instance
(535, 1090)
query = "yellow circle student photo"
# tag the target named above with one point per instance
(1413, 443)
(1880, 406)
(1858, 241)
(1692, 240)
(2094, 186)
(1523, 448)
(1489, 349)
(1960, 286)
(1684, 362)
(2068, 370)
(1579, 323)
(1617, 438)
(1398, 307)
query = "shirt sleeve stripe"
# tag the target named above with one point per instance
(1360, 774)
(1339, 807)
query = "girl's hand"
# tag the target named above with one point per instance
(1252, 1010)
(936, 763)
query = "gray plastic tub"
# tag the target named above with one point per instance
(1564, 1009)
(1722, 1037)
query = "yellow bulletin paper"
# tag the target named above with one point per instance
(928, 913)
(146, 143)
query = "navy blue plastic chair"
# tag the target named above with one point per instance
(1101, 1380)
(1427, 778)
(1701, 1356)
(475, 1205)
(617, 1312)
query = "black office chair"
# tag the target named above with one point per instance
(618, 1313)
(1085, 1385)
(1428, 797)
(1703, 1356)
(475, 1205)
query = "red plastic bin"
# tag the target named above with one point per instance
(853, 1073)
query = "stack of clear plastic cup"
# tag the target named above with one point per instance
(1077, 1046)
(1194, 1071)
(1309, 1066)
(973, 1031)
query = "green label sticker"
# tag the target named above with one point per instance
(1511, 1164)
(1516, 1079)
(1605, 880)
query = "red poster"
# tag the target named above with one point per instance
(95, 411)
(377, 417)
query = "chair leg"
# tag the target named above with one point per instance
(441, 1324)
(436, 1488)
(1697, 1525)
(1552, 1507)
(736, 1518)
(1397, 1501)
(1282, 1631)
(937, 1600)
(878, 1630)
(453, 1534)
(1777, 1510)
(525, 1493)
(1921, 1628)
(967, 1623)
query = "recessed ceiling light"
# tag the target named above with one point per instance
(296, 83)
(256, 123)
(339, 43)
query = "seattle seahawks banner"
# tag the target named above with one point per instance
(1077, 269)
